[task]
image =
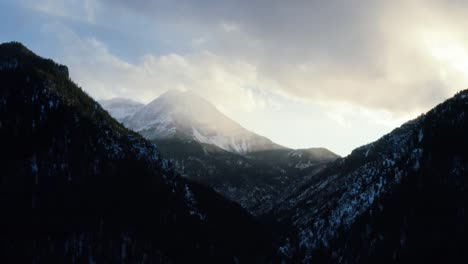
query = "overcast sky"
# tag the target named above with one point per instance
(334, 74)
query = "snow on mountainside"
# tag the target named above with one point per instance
(121, 108)
(185, 115)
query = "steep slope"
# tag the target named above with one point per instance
(121, 108)
(76, 186)
(400, 199)
(185, 115)
(254, 183)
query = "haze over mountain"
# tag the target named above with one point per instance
(185, 115)
(121, 108)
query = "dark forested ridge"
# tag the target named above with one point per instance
(76, 186)
(400, 199)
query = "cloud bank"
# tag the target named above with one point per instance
(348, 64)
(377, 54)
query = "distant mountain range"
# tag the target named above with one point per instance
(76, 186)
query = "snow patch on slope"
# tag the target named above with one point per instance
(226, 143)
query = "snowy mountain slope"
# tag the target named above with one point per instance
(399, 199)
(185, 115)
(121, 108)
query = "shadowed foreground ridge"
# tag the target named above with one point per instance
(402, 198)
(76, 186)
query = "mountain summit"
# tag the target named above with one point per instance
(185, 115)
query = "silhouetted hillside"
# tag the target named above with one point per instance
(76, 186)
(402, 198)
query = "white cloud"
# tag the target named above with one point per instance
(368, 53)
(104, 75)
(375, 54)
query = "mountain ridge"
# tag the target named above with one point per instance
(378, 204)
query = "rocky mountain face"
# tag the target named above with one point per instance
(186, 116)
(76, 186)
(400, 199)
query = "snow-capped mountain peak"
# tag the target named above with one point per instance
(186, 115)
